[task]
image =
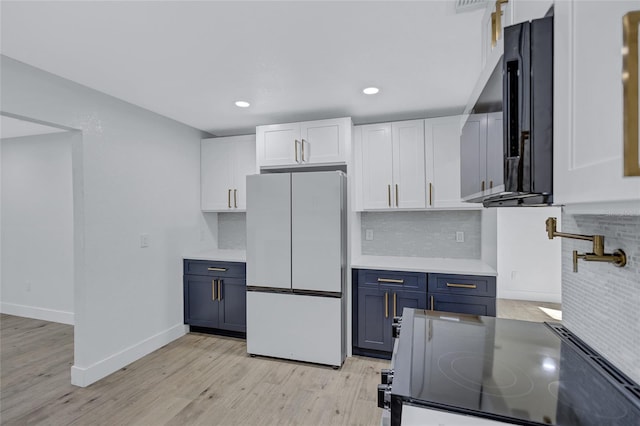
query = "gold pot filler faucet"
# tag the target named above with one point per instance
(618, 257)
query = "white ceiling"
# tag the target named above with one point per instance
(14, 128)
(295, 60)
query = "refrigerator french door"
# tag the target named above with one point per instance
(296, 266)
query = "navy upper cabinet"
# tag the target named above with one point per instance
(215, 295)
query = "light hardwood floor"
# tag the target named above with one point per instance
(198, 379)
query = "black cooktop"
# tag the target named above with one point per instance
(515, 371)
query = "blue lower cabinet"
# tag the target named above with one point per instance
(233, 305)
(374, 324)
(471, 305)
(201, 306)
(215, 301)
(463, 294)
(376, 307)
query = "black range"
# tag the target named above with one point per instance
(512, 371)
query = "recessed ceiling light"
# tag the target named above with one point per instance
(242, 104)
(370, 90)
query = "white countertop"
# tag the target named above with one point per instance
(219, 254)
(440, 265)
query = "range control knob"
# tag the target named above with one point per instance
(386, 376)
(395, 329)
(384, 396)
(397, 320)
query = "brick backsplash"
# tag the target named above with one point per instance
(422, 234)
(232, 231)
(601, 302)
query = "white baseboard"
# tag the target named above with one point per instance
(52, 315)
(533, 296)
(84, 376)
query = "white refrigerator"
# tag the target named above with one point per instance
(296, 266)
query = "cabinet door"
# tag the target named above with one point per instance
(495, 153)
(405, 299)
(473, 141)
(374, 319)
(216, 174)
(233, 304)
(244, 165)
(408, 164)
(442, 156)
(278, 145)
(377, 167)
(201, 305)
(588, 137)
(324, 141)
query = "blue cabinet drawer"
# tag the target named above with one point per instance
(472, 285)
(215, 268)
(471, 305)
(414, 281)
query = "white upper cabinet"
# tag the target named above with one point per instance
(481, 168)
(392, 163)
(588, 109)
(442, 159)
(224, 165)
(305, 143)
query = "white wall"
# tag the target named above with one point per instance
(134, 173)
(37, 223)
(529, 264)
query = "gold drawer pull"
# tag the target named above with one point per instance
(461, 285)
(217, 269)
(389, 280)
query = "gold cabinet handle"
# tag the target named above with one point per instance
(295, 147)
(493, 29)
(235, 198)
(498, 12)
(217, 269)
(229, 198)
(482, 186)
(386, 304)
(630, 82)
(219, 290)
(390, 280)
(302, 145)
(461, 285)
(213, 289)
(490, 184)
(432, 303)
(394, 304)
(430, 194)
(389, 195)
(396, 195)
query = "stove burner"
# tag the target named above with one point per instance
(468, 370)
(582, 405)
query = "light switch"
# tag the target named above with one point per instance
(459, 237)
(368, 235)
(144, 240)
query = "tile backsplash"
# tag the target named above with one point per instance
(232, 231)
(422, 234)
(601, 302)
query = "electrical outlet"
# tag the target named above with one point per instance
(459, 237)
(144, 240)
(368, 235)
